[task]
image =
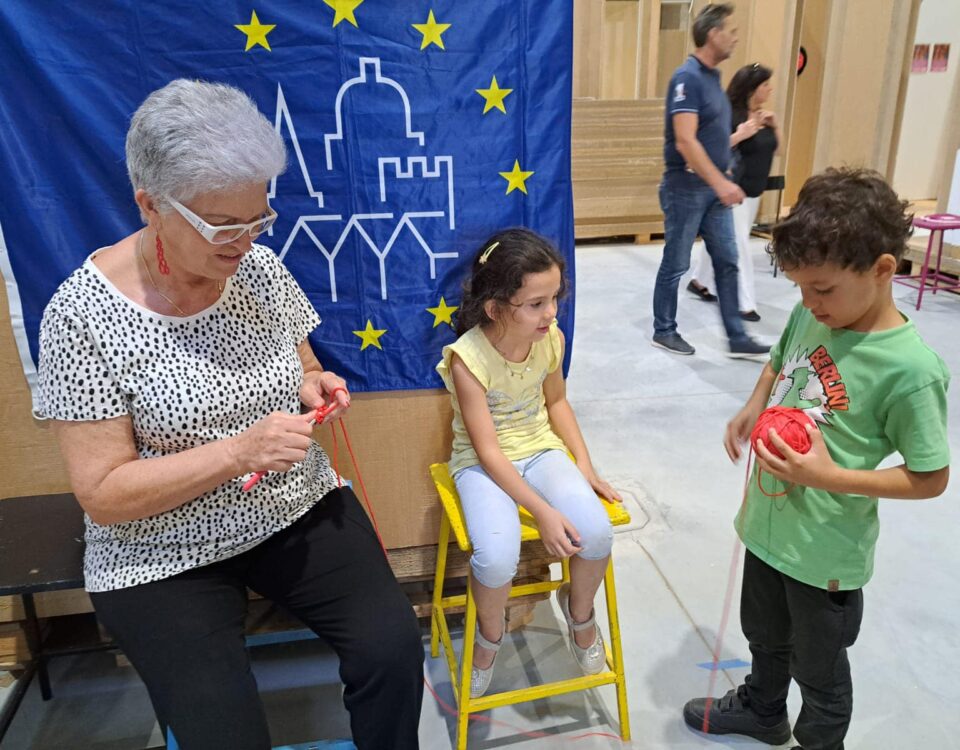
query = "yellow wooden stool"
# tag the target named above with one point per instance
(439, 632)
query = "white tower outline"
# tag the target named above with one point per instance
(392, 167)
(373, 62)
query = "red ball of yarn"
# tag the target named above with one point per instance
(790, 424)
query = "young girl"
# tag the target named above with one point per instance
(512, 428)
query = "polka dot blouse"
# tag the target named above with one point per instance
(184, 382)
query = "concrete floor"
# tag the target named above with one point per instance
(653, 422)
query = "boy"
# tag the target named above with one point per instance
(861, 372)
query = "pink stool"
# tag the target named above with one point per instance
(937, 224)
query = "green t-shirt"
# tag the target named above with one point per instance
(871, 394)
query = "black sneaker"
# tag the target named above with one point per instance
(747, 349)
(732, 714)
(701, 291)
(751, 316)
(673, 342)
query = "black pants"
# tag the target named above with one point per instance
(184, 634)
(803, 632)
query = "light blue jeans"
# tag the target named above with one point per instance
(494, 526)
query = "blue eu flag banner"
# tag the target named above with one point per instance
(415, 130)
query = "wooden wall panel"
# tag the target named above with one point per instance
(649, 48)
(672, 52)
(620, 77)
(806, 105)
(864, 59)
(587, 48)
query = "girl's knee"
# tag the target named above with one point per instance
(596, 539)
(495, 567)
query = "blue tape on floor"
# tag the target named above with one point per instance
(728, 664)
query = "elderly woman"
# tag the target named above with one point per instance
(174, 364)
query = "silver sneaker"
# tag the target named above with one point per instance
(480, 678)
(593, 658)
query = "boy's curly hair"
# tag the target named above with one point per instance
(845, 216)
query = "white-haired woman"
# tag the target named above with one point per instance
(175, 363)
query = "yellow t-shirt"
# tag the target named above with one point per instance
(514, 396)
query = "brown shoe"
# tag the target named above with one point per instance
(701, 291)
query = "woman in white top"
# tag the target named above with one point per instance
(175, 363)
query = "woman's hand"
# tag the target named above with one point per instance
(275, 443)
(739, 429)
(601, 486)
(815, 468)
(746, 129)
(766, 118)
(318, 390)
(557, 533)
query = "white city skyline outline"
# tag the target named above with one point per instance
(413, 164)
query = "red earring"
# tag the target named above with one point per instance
(161, 261)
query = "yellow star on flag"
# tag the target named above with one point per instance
(344, 10)
(516, 178)
(442, 312)
(370, 336)
(431, 31)
(256, 32)
(494, 96)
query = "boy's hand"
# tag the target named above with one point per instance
(739, 429)
(815, 468)
(557, 533)
(601, 486)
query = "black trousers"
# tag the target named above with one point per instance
(803, 632)
(184, 634)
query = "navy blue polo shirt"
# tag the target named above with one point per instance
(696, 88)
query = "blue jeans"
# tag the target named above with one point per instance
(687, 212)
(494, 526)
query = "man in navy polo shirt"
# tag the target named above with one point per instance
(696, 193)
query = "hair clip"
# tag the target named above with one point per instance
(486, 253)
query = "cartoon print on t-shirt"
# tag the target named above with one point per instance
(507, 411)
(815, 384)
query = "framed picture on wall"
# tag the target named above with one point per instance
(921, 55)
(941, 53)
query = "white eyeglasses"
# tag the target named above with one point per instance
(221, 235)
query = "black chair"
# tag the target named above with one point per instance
(774, 182)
